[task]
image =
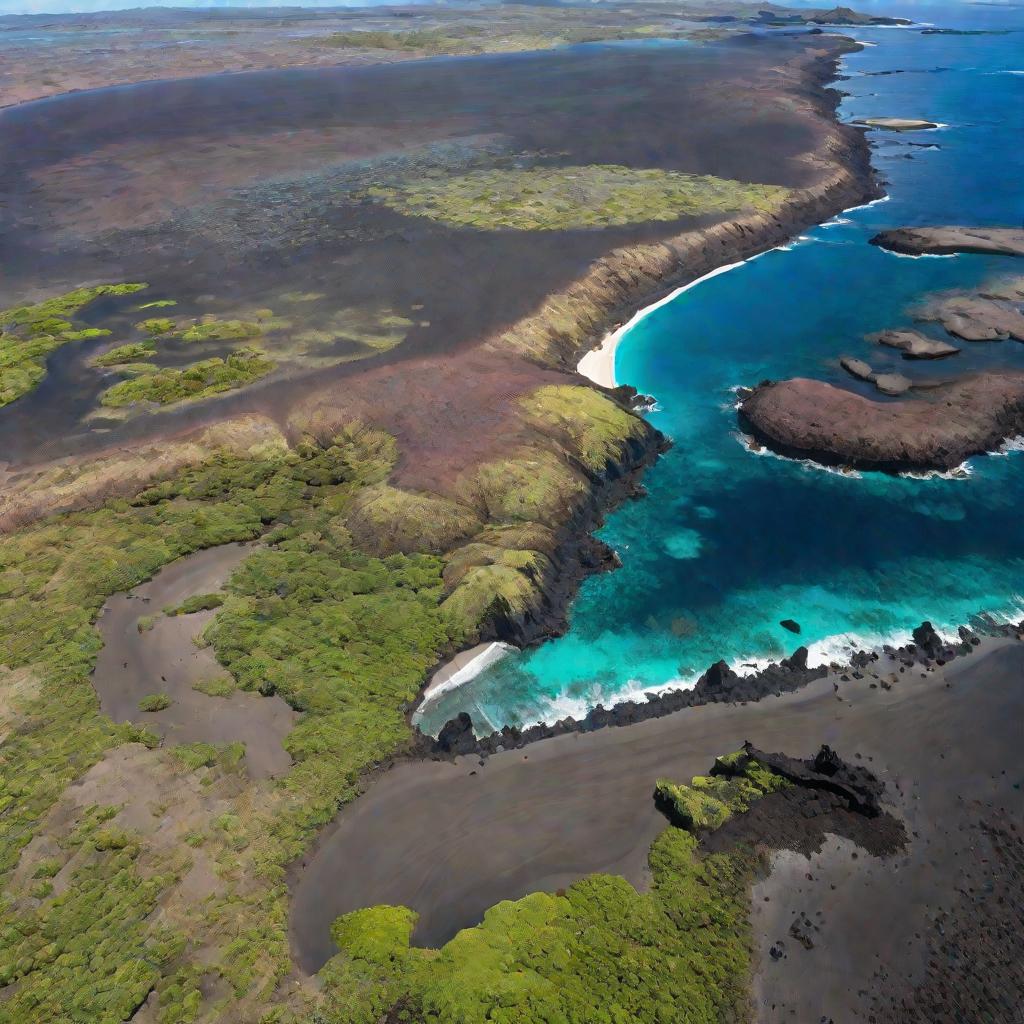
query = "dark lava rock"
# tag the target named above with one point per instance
(929, 641)
(806, 418)
(943, 241)
(827, 771)
(791, 624)
(457, 735)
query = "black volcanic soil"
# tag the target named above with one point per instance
(165, 659)
(451, 839)
(229, 190)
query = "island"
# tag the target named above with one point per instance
(948, 241)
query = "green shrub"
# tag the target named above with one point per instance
(196, 603)
(218, 686)
(193, 382)
(155, 702)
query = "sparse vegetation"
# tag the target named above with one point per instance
(28, 334)
(196, 381)
(564, 198)
(155, 702)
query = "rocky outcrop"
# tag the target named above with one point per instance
(886, 383)
(975, 318)
(809, 419)
(896, 124)
(826, 771)
(946, 241)
(914, 345)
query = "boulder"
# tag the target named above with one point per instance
(857, 368)
(456, 736)
(929, 642)
(828, 772)
(892, 383)
(914, 345)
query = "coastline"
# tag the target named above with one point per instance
(598, 365)
(629, 284)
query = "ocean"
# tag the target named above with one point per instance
(729, 542)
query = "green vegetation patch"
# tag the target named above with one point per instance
(710, 800)
(600, 952)
(156, 325)
(155, 702)
(195, 603)
(133, 352)
(97, 963)
(198, 380)
(564, 198)
(221, 330)
(218, 686)
(385, 520)
(28, 334)
(207, 755)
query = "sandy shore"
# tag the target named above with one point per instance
(466, 665)
(451, 839)
(598, 365)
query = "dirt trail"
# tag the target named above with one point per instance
(165, 659)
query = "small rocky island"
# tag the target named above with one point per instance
(955, 418)
(812, 419)
(948, 241)
(896, 124)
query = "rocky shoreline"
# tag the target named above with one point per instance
(718, 685)
(630, 278)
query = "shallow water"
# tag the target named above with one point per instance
(729, 543)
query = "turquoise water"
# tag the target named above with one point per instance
(729, 542)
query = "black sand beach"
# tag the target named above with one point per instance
(450, 840)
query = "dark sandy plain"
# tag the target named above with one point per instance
(920, 935)
(164, 657)
(235, 192)
(246, 196)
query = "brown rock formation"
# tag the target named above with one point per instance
(811, 419)
(943, 241)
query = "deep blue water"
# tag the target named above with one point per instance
(729, 542)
